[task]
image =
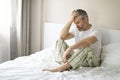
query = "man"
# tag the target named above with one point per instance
(85, 52)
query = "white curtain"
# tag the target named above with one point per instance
(19, 43)
(5, 23)
(14, 29)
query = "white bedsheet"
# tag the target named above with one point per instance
(30, 68)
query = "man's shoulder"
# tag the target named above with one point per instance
(96, 32)
(95, 29)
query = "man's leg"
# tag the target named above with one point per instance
(60, 48)
(74, 61)
(83, 57)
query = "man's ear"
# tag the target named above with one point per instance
(86, 20)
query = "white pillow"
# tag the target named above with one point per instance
(111, 54)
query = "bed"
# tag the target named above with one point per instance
(30, 67)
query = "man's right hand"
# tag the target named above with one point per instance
(65, 31)
(73, 15)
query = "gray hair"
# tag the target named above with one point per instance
(81, 13)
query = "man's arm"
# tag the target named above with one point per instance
(84, 43)
(65, 34)
(65, 31)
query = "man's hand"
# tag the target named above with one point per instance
(74, 14)
(66, 54)
(65, 34)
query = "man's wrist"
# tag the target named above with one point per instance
(71, 48)
(71, 19)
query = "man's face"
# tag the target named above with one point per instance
(80, 24)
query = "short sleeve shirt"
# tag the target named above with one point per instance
(79, 35)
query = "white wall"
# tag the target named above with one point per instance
(102, 13)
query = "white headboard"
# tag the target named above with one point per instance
(110, 36)
(52, 31)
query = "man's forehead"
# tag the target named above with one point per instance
(77, 19)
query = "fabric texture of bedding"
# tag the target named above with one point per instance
(30, 68)
(111, 54)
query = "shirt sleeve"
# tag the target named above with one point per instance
(97, 34)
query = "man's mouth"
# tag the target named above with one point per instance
(80, 28)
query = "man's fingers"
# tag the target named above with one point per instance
(74, 14)
(64, 60)
(73, 11)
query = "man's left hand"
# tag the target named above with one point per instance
(66, 54)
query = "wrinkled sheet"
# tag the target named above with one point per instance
(30, 68)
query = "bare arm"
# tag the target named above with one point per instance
(65, 34)
(65, 31)
(84, 43)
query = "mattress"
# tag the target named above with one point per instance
(30, 68)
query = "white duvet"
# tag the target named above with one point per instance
(30, 68)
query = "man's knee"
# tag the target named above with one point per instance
(61, 42)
